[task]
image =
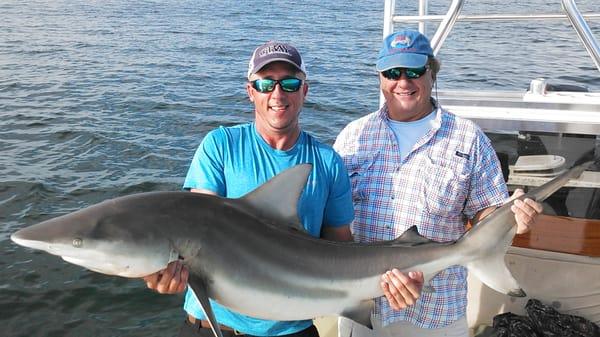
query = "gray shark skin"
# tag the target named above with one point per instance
(251, 255)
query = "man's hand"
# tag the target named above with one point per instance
(525, 211)
(401, 290)
(171, 280)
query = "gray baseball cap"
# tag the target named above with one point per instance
(273, 51)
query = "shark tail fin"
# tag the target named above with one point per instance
(491, 269)
(485, 245)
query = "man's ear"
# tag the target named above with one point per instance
(249, 92)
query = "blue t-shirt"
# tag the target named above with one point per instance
(232, 161)
(408, 133)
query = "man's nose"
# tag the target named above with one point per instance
(277, 90)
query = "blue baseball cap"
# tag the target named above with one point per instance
(406, 49)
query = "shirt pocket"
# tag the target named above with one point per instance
(360, 173)
(445, 188)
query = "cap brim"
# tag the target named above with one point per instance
(404, 60)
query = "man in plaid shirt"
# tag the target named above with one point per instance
(412, 163)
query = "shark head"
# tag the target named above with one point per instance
(105, 238)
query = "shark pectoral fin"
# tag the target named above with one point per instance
(361, 313)
(199, 289)
(492, 271)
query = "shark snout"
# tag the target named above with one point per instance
(31, 240)
(42, 236)
(31, 243)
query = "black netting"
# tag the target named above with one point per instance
(543, 321)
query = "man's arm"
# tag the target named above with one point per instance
(203, 191)
(525, 212)
(341, 233)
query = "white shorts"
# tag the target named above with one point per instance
(349, 328)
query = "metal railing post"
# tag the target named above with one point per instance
(423, 10)
(388, 28)
(583, 30)
(446, 25)
(388, 17)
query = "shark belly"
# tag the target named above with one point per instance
(298, 300)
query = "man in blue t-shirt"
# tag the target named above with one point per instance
(232, 161)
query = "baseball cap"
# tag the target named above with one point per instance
(273, 51)
(406, 49)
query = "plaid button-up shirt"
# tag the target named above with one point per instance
(451, 173)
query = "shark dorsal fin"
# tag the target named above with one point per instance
(277, 199)
(411, 237)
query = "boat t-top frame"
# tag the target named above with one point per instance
(544, 107)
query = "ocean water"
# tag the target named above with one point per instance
(100, 99)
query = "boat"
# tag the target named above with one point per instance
(537, 133)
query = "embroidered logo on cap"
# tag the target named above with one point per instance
(401, 41)
(274, 49)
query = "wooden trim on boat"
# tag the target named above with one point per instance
(562, 234)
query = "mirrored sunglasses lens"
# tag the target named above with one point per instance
(290, 84)
(264, 85)
(415, 72)
(392, 74)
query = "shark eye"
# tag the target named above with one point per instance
(77, 243)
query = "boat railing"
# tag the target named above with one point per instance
(543, 107)
(567, 116)
(571, 12)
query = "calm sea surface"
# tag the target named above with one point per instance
(105, 98)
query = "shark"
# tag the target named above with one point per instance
(252, 255)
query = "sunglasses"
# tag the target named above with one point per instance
(394, 74)
(267, 85)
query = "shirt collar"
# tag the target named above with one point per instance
(382, 113)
